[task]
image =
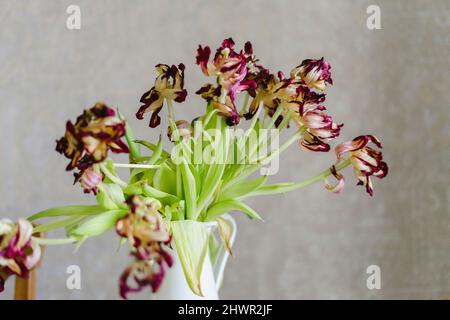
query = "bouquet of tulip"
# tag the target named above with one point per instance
(210, 169)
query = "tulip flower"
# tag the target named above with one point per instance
(315, 73)
(228, 66)
(143, 273)
(224, 105)
(168, 85)
(144, 229)
(320, 128)
(366, 161)
(18, 252)
(88, 140)
(144, 224)
(89, 180)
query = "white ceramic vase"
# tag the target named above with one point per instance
(175, 286)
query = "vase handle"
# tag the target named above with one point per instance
(223, 255)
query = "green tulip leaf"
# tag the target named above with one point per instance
(191, 242)
(242, 189)
(230, 205)
(98, 224)
(67, 211)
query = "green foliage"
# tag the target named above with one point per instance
(191, 241)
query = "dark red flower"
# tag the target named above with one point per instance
(145, 272)
(145, 231)
(224, 105)
(366, 161)
(18, 252)
(315, 73)
(230, 67)
(320, 128)
(87, 141)
(168, 85)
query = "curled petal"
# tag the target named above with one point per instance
(248, 48)
(306, 96)
(382, 170)
(24, 233)
(315, 73)
(244, 85)
(339, 186)
(95, 132)
(18, 252)
(169, 85)
(228, 111)
(118, 146)
(202, 58)
(356, 144)
(2, 283)
(366, 182)
(209, 92)
(152, 100)
(227, 44)
(89, 180)
(313, 143)
(180, 95)
(33, 259)
(366, 161)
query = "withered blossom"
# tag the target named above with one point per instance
(184, 130)
(225, 106)
(305, 98)
(145, 231)
(366, 161)
(228, 66)
(89, 180)
(87, 141)
(18, 252)
(319, 127)
(271, 92)
(168, 85)
(145, 272)
(143, 225)
(315, 73)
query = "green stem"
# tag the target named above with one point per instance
(134, 166)
(289, 186)
(321, 176)
(170, 110)
(46, 241)
(111, 176)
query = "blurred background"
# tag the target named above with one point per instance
(392, 82)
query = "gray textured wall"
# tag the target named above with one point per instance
(392, 82)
